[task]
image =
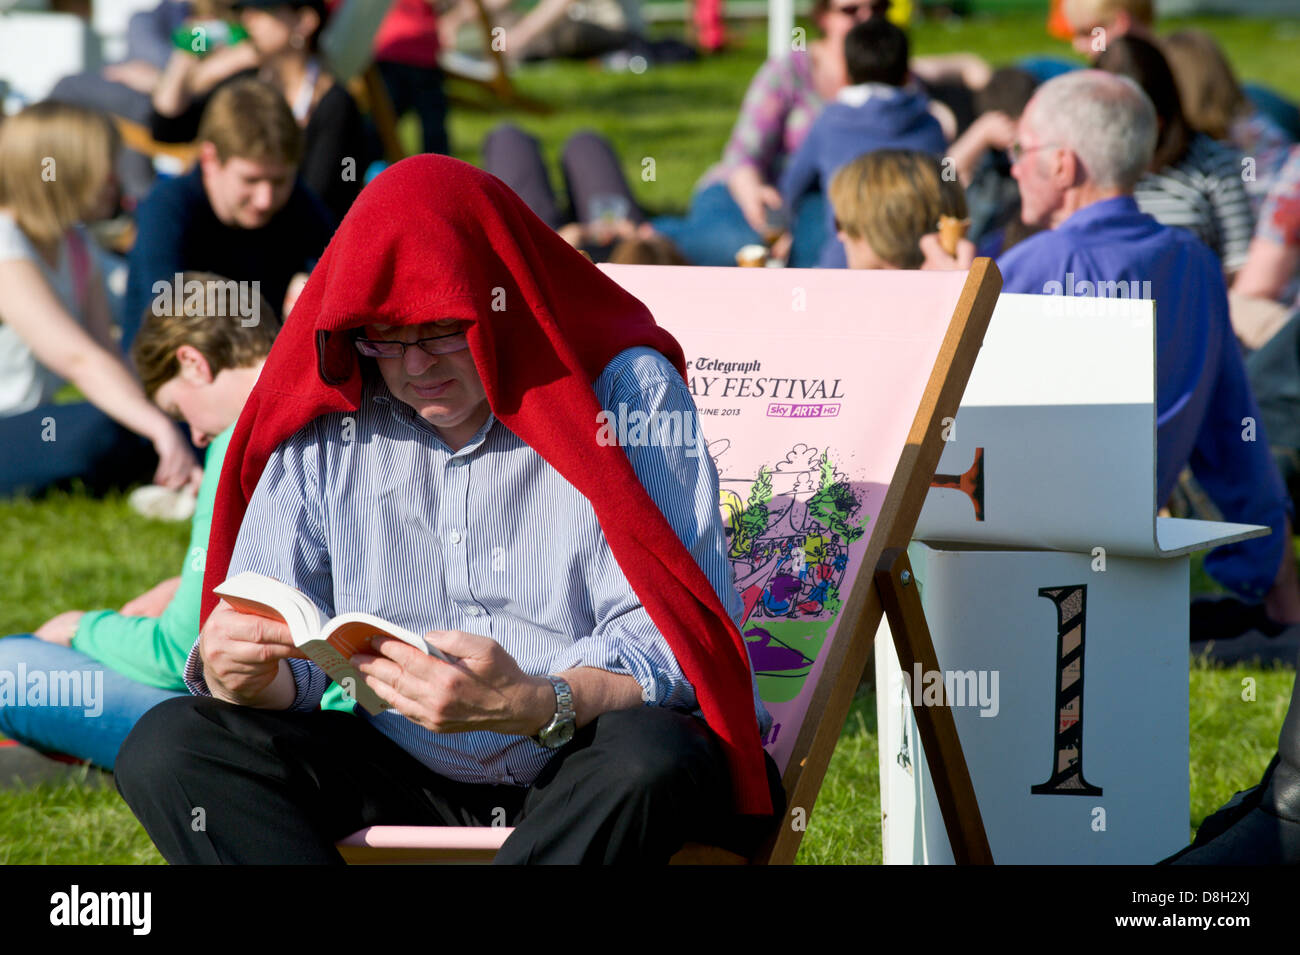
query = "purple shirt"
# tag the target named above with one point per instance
(1202, 395)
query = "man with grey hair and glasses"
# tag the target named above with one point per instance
(1083, 141)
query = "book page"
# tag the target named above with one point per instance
(350, 633)
(266, 597)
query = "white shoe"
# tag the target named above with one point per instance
(163, 503)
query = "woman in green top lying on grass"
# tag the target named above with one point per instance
(80, 682)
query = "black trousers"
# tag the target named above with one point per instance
(420, 89)
(217, 783)
(1261, 825)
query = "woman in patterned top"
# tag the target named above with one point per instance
(732, 200)
(1194, 182)
(1273, 269)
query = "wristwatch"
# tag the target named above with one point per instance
(560, 729)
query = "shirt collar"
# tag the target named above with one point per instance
(857, 95)
(1090, 215)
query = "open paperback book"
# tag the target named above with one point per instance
(329, 644)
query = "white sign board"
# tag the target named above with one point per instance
(1057, 601)
(1057, 434)
(1096, 774)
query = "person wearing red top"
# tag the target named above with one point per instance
(406, 51)
(431, 242)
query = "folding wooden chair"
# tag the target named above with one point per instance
(139, 138)
(485, 83)
(368, 89)
(898, 347)
(472, 82)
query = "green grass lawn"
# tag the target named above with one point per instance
(69, 552)
(681, 115)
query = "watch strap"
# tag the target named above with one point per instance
(564, 712)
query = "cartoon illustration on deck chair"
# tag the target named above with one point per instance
(789, 529)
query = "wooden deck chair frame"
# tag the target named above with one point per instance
(139, 138)
(496, 91)
(369, 91)
(890, 589)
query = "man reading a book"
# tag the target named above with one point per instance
(423, 446)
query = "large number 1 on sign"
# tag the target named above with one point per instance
(1067, 772)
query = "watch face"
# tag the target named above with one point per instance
(556, 736)
(560, 730)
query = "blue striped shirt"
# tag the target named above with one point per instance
(373, 512)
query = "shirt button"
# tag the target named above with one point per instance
(454, 537)
(472, 611)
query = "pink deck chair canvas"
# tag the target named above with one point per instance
(822, 399)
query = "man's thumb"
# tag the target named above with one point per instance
(452, 644)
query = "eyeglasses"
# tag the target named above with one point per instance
(435, 345)
(1016, 151)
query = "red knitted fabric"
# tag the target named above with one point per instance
(432, 238)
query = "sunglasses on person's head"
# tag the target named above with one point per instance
(433, 345)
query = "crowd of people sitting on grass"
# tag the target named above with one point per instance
(1153, 164)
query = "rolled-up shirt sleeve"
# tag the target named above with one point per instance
(674, 466)
(629, 644)
(282, 536)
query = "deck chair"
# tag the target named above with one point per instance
(485, 84)
(368, 89)
(823, 398)
(139, 138)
